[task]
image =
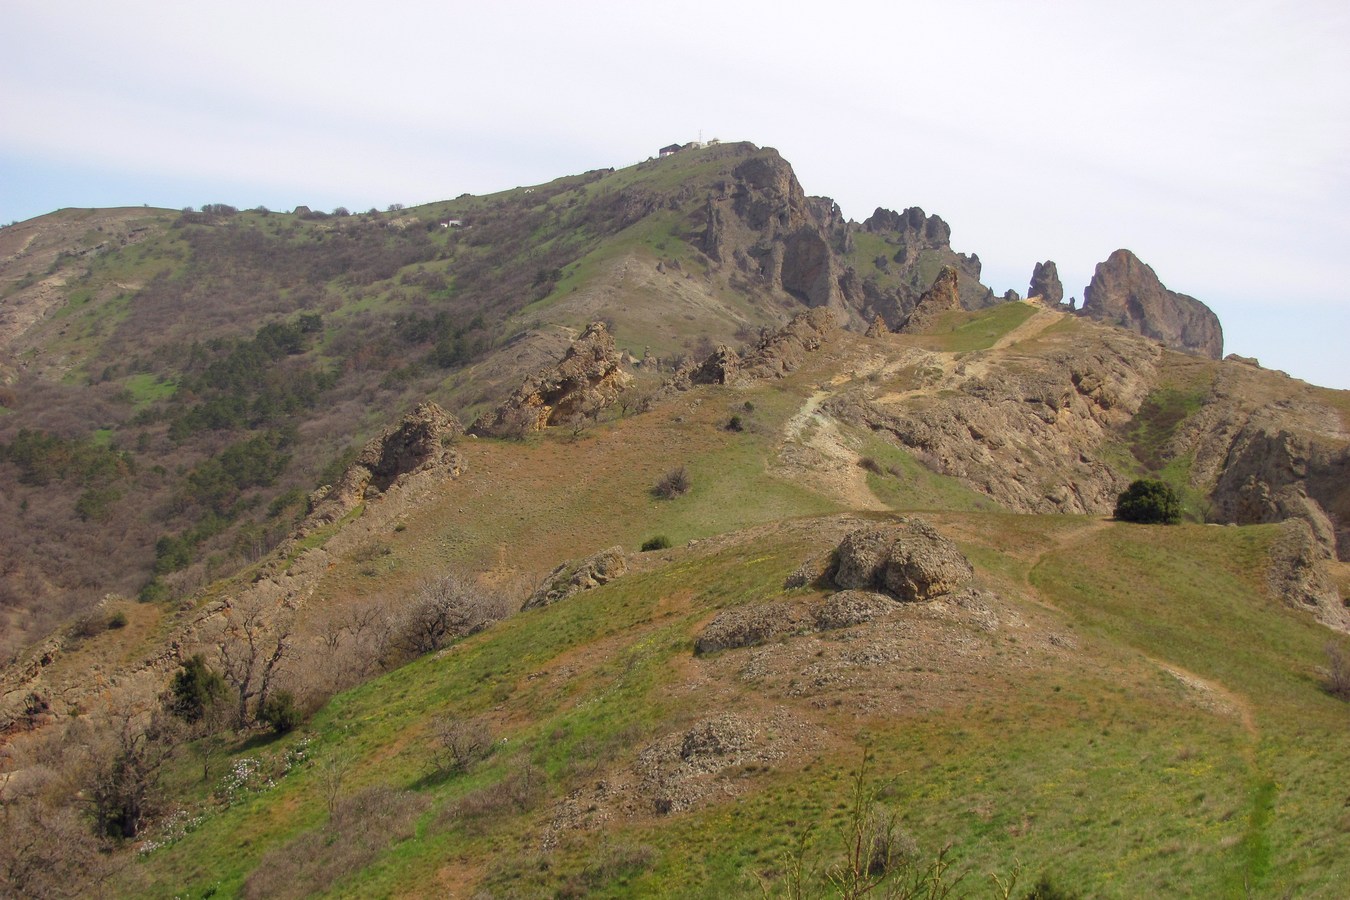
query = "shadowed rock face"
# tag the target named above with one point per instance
(1126, 292)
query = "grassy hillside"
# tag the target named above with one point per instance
(1103, 731)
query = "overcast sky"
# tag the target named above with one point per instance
(1211, 138)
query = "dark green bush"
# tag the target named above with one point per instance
(660, 542)
(1045, 889)
(279, 712)
(194, 690)
(1150, 502)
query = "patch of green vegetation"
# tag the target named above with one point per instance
(1159, 417)
(904, 483)
(147, 388)
(960, 331)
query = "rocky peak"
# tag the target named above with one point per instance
(588, 378)
(919, 231)
(944, 295)
(1126, 292)
(1045, 283)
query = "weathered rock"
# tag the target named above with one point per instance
(1298, 575)
(1126, 292)
(746, 626)
(1045, 283)
(589, 378)
(720, 367)
(908, 560)
(944, 295)
(573, 577)
(782, 351)
(1268, 477)
(878, 328)
(420, 441)
(844, 609)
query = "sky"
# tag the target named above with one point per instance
(1211, 138)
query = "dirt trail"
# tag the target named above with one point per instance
(1040, 320)
(815, 451)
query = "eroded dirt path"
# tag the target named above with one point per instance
(815, 451)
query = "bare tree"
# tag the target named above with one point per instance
(250, 653)
(124, 781)
(445, 608)
(456, 744)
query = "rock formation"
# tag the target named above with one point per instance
(1045, 283)
(419, 442)
(579, 575)
(1126, 292)
(589, 378)
(908, 560)
(944, 295)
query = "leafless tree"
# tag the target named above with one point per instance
(445, 608)
(250, 653)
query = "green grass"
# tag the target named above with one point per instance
(147, 388)
(963, 332)
(904, 483)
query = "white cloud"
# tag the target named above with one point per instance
(1211, 138)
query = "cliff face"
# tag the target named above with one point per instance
(758, 220)
(1126, 292)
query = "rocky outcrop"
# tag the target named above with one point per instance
(1025, 434)
(572, 578)
(589, 378)
(908, 560)
(920, 240)
(421, 441)
(782, 351)
(943, 296)
(1045, 284)
(1271, 476)
(1298, 575)
(1126, 292)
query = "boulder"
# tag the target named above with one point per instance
(908, 560)
(1126, 292)
(573, 577)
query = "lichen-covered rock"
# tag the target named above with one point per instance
(579, 575)
(746, 626)
(908, 560)
(1126, 292)
(845, 609)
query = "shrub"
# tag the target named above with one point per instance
(1338, 671)
(194, 690)
(735, 424)
(672, 484)
(1150, 502)
(871, 465)
(117, 620)
(279, 712)
(660, 542)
